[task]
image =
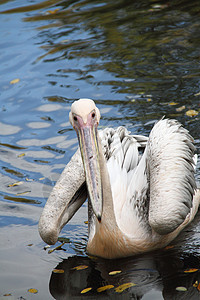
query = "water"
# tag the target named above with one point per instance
(139, 60)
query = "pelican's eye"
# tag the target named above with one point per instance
(93, 115)
(75, 118)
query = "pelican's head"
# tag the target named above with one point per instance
(84, 117)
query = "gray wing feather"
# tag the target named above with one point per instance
(170, 153)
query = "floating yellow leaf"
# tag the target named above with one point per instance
(124, 286)
(16, 183)
(16, 80)
(114, 272)
(181, 288)
(23, 193)
(52, 11)
(197, 94)
(191, 270)
(58, 271)
(104, 288)
(196, 284)
(56, 248)
(191, 113)
(41, 178)
(5, 295)
(86, 290)
(86, 222)
(180, 108)
(29, 245)
(81, 267)
(173, 103)
(149, 99)
(33, 291)
(29, 179)
(21, 155)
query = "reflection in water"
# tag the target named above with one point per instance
(163, 273)
(156, 275)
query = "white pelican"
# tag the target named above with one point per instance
(141, 191)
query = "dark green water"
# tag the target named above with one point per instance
(139, 60)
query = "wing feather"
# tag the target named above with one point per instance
(170, 153)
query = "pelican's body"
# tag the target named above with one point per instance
(141, 191)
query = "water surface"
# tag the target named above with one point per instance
(139, 60)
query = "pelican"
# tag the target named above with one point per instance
(141, 191)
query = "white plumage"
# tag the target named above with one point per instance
(146, 186)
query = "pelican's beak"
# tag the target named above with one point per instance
(89, 146)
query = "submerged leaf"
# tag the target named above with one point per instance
(81, 267)
(104, 288)
(86, 290)
(169, 247)
(124, 286)
(33, 291)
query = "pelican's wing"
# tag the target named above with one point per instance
(67, 196)
(169, 155)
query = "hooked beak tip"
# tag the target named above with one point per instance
(99, 218)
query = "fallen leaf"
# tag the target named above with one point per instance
(23, 193)
(149, 99)
(41, 178)
(58, 271)
(16, 183)
(33, 291)
(114, 272)
(124, 286)
(56, 248)
(197, 94)
(181, 289)
(29, 245)
(169, 247)
(86, 290)
(52, 11)
(191, 113)
(196, 284)
(180, 108)
(191, 270)
(21, 155)
(173, 103)
(5, 295)
(198, 287)
(16, 80)
(104, 288)
(81, 267)
(86, 222)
